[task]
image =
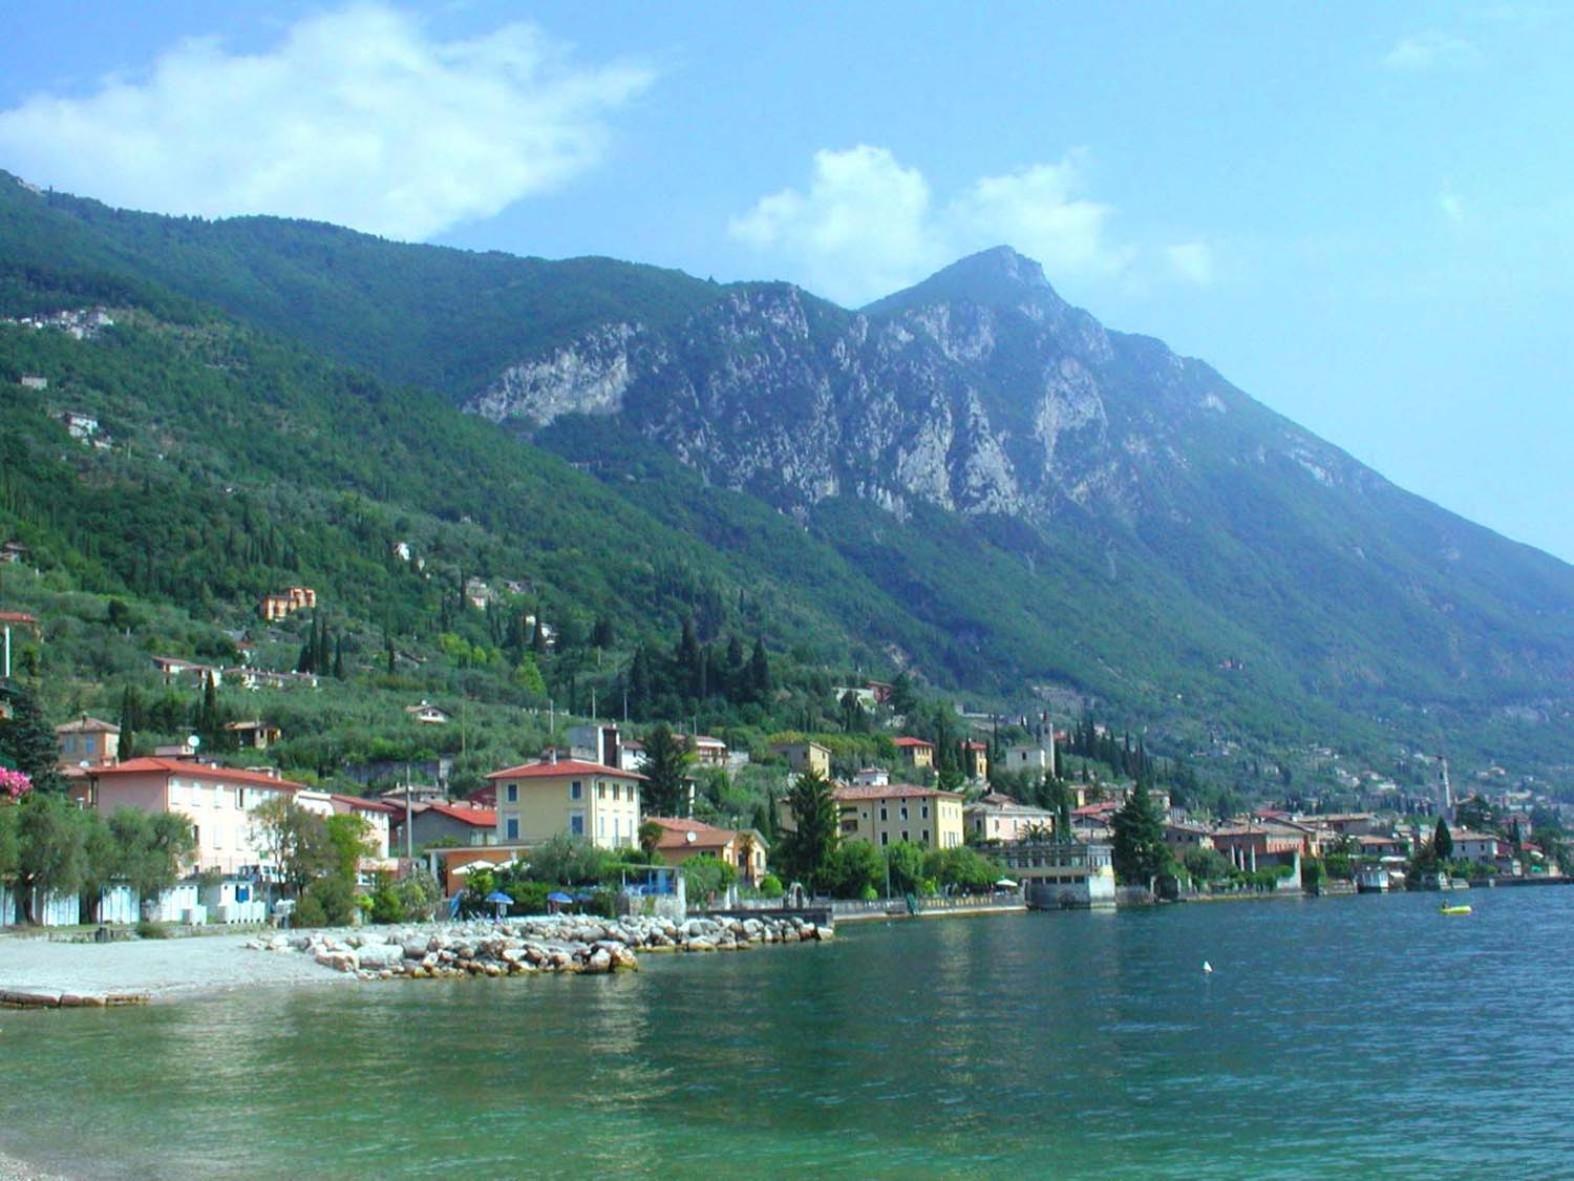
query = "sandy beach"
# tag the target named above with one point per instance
(160, 968)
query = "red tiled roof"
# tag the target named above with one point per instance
(675, 834)
(560, 768)
(975, 746)
(87, 725)
(465, 814)
(144, 766)
(906, 741)
(893, 791)
(17, 617)
(364, 804)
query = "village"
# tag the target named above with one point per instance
(920, 848)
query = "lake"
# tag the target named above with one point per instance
(1345, 1036)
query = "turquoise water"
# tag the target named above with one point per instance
(1359, 1036)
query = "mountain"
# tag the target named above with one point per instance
(971, 478)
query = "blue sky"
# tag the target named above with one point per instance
(1362, 214)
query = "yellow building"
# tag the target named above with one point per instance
(915, 752)
(743, 849)
(805, 756)
(901, 812)
(538, 801)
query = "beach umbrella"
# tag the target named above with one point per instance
(500, 900)
(557, 898)
(1006, 884)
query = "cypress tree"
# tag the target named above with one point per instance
(338, 658)
(759, 672)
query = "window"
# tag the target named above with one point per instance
(615, 792)
(904, 815)
(849, 826)
(924, 811)
(924, 836)
(89, 743)
(601, 826)
(196, 835)
(883, 816)
(576, 790)
(904, 834)
(576, 824)
(601, 791)
(885, 838)
(511, 828)
(512, 793)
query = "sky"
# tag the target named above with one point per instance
(1362, 215)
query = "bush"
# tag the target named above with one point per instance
(529, 897)
(869, 894)
(418, 895)
(771, 886)
(149, 929)
(387, 906)
(309, 912)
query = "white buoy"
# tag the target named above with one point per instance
(1207, 968)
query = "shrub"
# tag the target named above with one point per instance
(387, 905)
(149, 929)
(771, 886)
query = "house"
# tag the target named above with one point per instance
(218, 801)
(173, 668)
(804, 757)
(871, 777)
(901, 812)
(283, 603)
(1033, 758)
(538, 801)
(743, 849)
(915, 752)
(1060, 874)
(32, 381)
(708, 751)
(427, 714)
(81, 427)
(1478, 846)
(998, 817)
(416, 793)
(975, 760)
(1185, 835)
(441, 823)
(13, 553)
(378, 818)
(260, 678)
(88, 742)
(253, 735)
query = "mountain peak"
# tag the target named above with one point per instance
(997, 277)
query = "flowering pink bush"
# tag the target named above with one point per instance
(13, 784)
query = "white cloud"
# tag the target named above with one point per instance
(1453, 208)
(1192, 261)
(866, 225)
(863, 229)
(1429, 51)
(359, 116)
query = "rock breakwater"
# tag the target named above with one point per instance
(519, 947)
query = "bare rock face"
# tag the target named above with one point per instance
(980, 391)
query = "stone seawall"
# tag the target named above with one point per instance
(520, 947)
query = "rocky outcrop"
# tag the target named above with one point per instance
(979, 391)
(521, 947)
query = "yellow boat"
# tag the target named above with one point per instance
(1462, 909)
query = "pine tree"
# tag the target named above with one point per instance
(1140, 853)
(667, 760)
(639, 686)
(806, 852)
(27, 743)
(338, 658)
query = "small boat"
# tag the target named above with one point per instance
(1461, 909)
